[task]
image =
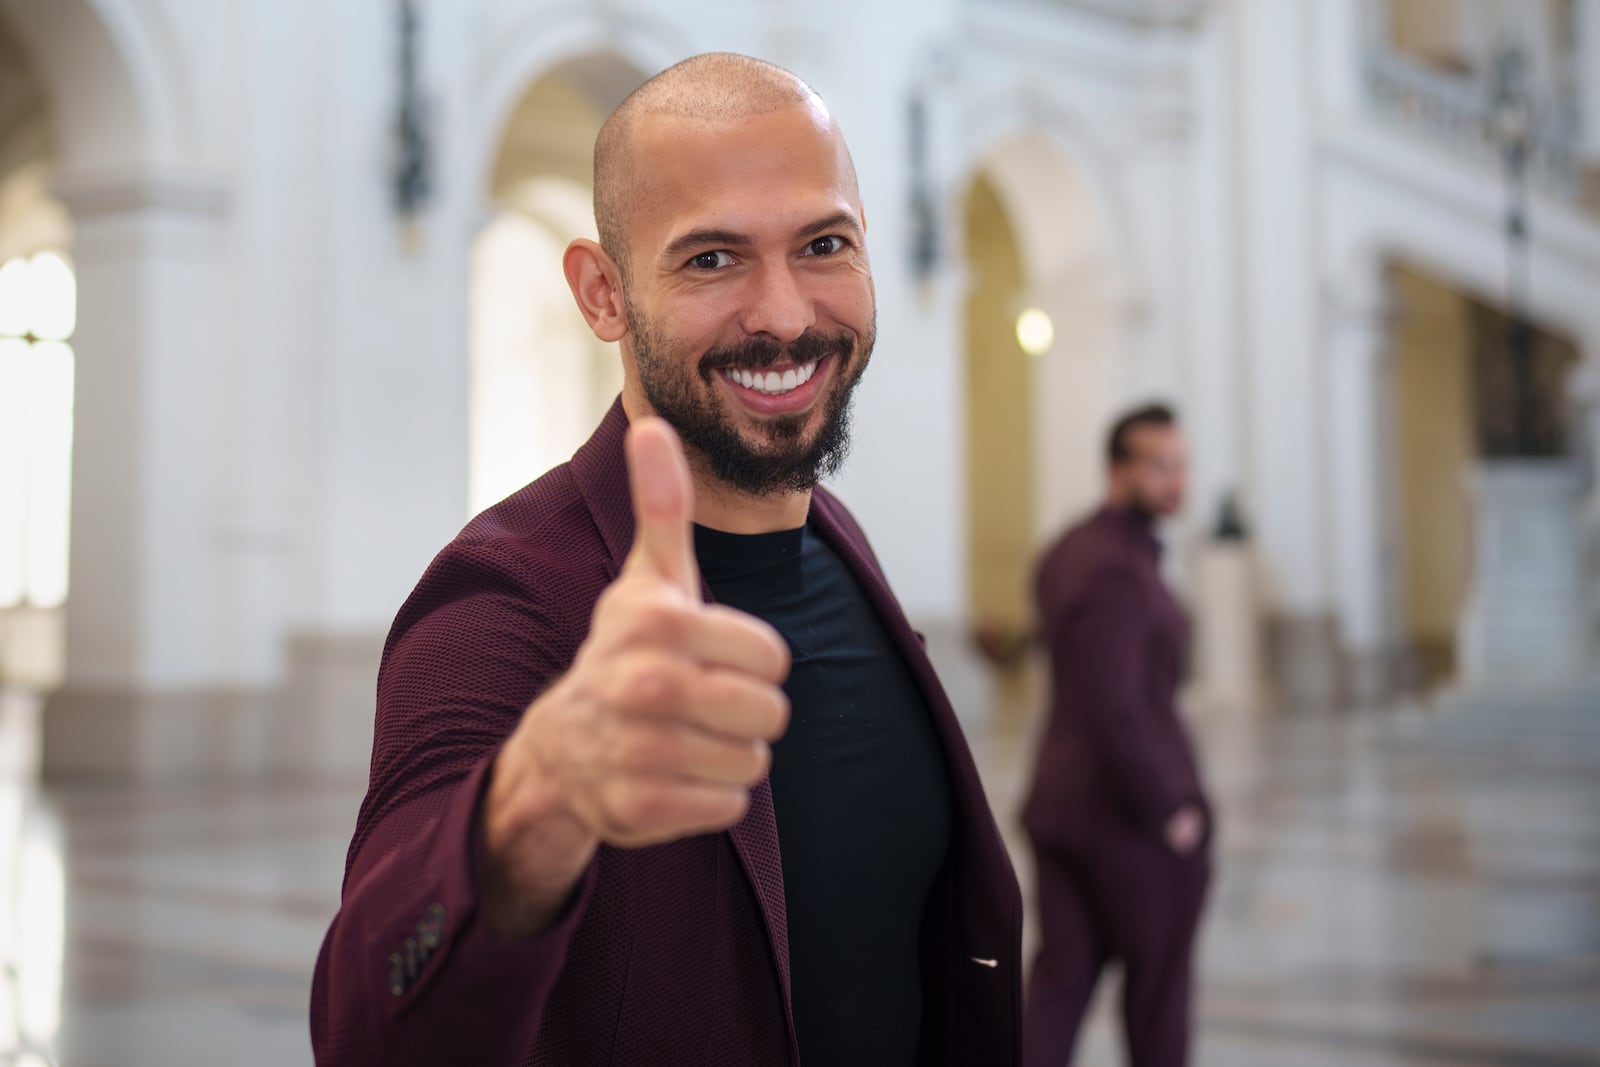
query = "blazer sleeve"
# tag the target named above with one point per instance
(1102, 635)
(408, 973)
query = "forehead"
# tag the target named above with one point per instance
(1155, 439)
(763, 172)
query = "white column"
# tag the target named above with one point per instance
(1355, 343)
(155, 635)
(1164, 362)
(1588, 70)
(1342, 33)
(1286, 413)
(1214, 392)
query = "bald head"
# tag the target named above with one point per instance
(718, 88)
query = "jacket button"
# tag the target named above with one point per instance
(397, 976)
(431, 929)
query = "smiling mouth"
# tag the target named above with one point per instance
(772, 382)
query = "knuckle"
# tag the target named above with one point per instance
(782, 657)
(774, 663)
(647, 685)
(776, 713)
(759, 761)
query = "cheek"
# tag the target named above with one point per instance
(708, 323)
(848, 299)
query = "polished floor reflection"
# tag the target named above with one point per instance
(1396, 888)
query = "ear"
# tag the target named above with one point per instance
(596, 284)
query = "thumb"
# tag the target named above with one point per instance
(663, 500)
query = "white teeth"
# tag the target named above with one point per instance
(772, 383)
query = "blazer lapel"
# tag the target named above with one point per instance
(755, 842)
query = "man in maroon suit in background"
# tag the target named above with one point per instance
(1119, 821)
(572, 851)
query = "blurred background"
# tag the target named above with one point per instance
(281, 306)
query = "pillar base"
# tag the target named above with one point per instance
(316, 725)
(1303, 660)
(157, 736)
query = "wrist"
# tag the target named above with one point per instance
(532, 851)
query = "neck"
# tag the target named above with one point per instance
(717, 506)
(1120, 503)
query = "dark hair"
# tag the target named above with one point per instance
(1150, 415)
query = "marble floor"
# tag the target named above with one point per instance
(1402, 887)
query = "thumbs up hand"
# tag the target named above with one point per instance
(658, 731)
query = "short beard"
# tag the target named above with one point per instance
(788, 463)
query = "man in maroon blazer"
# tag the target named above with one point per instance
(611, 821)
(1119, 822)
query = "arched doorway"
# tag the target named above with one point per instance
(1042, 378)
(540, 381)
(1000, 433)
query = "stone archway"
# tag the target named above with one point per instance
(540, 381)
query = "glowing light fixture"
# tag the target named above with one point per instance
(1035, 332)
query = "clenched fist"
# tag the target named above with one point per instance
(658, 731)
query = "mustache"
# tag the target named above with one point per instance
(765, 352)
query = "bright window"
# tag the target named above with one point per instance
(38, 313)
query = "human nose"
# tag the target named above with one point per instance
(779, 306)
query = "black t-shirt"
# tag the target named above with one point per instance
(861, 793)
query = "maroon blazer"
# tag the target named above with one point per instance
(1114, 747)
(672, 954)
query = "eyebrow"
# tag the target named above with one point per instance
(682, 246)
(701, 238)
(839, 220)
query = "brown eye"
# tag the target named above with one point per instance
(710, 260)
(825, 246)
